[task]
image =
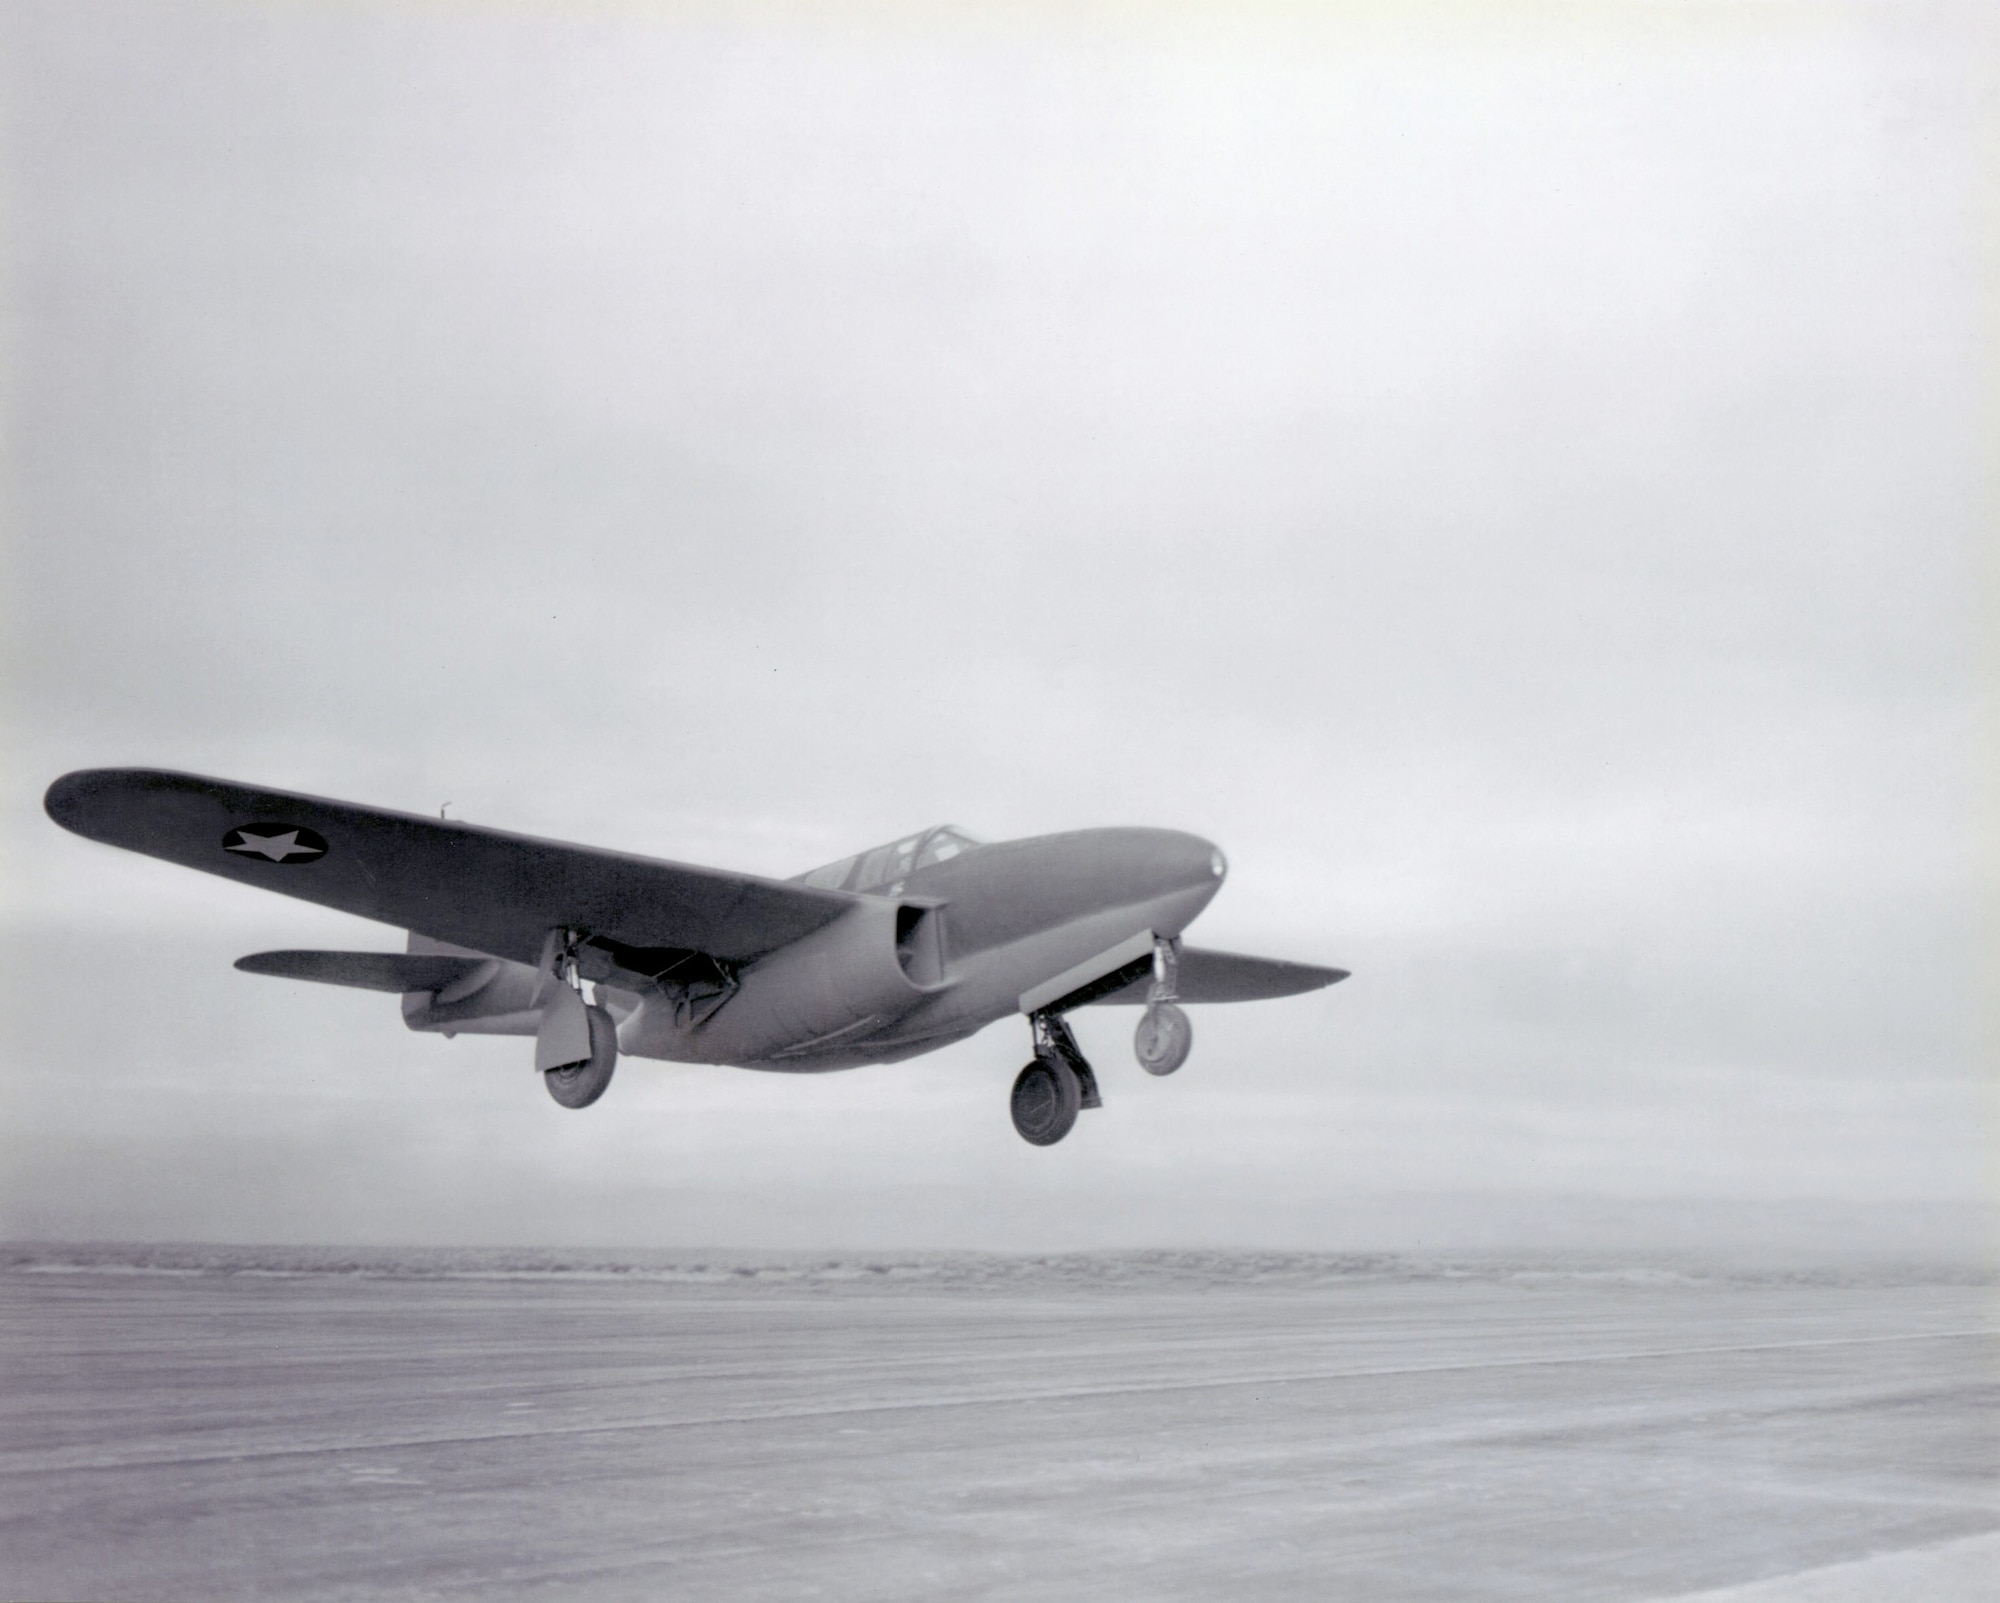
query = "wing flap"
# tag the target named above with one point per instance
(485, 889)
(1207, 976)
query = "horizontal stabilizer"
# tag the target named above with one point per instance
(368, 971)
(1229, 977)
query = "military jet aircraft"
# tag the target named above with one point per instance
(880, 956)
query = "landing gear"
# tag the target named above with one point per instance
(1046, 1099)
(576, 1044)
(577, 1085)
(1052, 1090)
(1165, 1036)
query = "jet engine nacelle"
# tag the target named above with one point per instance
(496, 998)
(869, 966)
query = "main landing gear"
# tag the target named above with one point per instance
(576, 1045)
(1052, 1090)
(577, 1085)
(1059, 1084)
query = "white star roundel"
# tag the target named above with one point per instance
(276, 843)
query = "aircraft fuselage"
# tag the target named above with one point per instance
(1007, 916)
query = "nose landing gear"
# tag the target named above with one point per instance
(1163, 1039)
(1165, 1034)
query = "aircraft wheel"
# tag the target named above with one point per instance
(1045, 1101)
(1163, 1039)
(577, 1085)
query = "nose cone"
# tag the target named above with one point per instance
(1011, 890)
(1177, 873)
(1175, 860)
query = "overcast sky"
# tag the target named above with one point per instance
(1515, 483)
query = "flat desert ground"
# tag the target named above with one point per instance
(233, 1423)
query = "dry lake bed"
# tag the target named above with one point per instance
(261, 1423)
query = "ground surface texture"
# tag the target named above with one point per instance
(227, 1425)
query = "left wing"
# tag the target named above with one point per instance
(482, 889)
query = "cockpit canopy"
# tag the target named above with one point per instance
(885, 865)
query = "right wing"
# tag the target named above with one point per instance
(1205, 976)
(480, 889)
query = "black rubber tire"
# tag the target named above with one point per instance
(1164, 1038)
(1045, 1101)
(577, 1085)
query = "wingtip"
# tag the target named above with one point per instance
(65, 800)
(73, 801)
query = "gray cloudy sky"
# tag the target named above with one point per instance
(1514, 482)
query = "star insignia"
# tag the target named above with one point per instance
(279, 846)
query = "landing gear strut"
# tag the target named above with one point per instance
(1165, 1035)
(1052, 1090)
(576, 1046)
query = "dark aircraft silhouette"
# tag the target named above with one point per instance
(881, 956)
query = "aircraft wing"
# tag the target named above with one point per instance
(1206, 976)
(483, 889)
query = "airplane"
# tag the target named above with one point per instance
(879, 957)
